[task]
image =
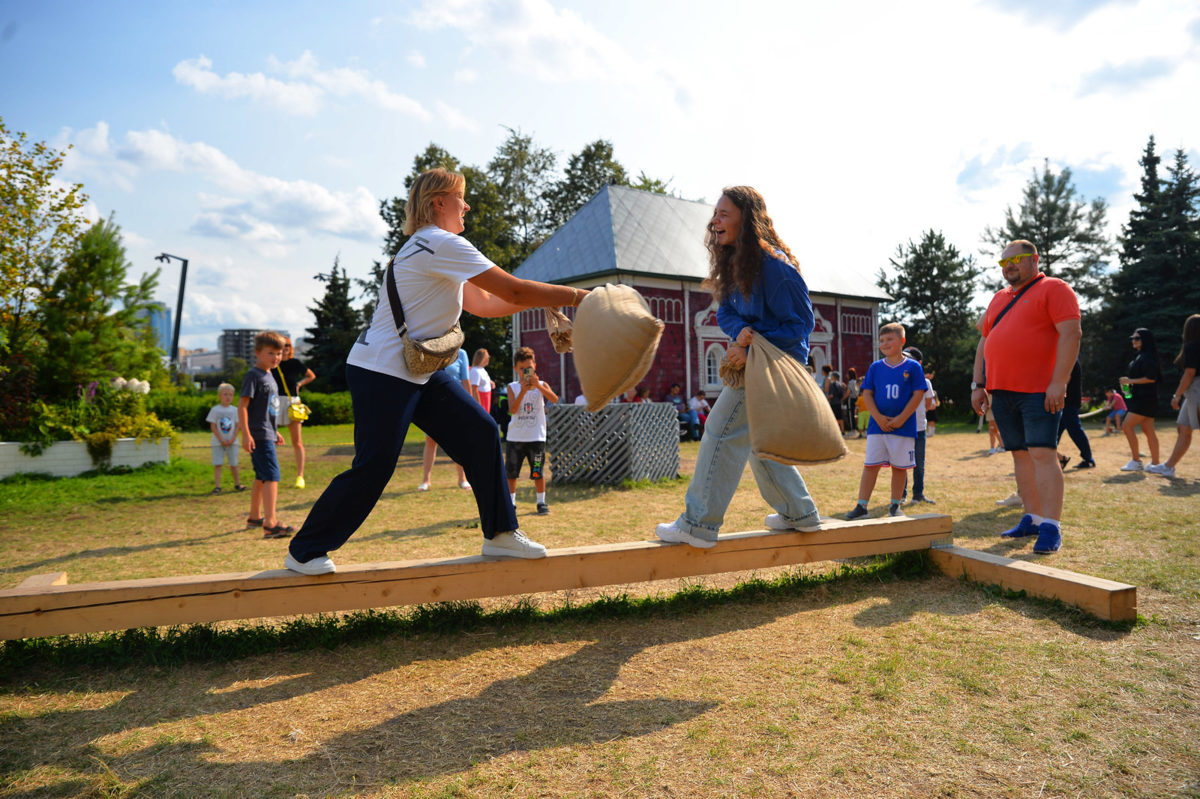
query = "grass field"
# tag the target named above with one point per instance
(875, 683)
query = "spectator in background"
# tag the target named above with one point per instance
(461, 372)
(836, 393)
(1071, 424)
(687, 415)
(932, 403)
(699, 404)
(1142, 400)
(851, 412)
(289, 376)
(480, 379)
(1186, 398)
(1114, 403)
(919, 443)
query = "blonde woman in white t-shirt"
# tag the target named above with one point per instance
(437, 274)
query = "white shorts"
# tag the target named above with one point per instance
(889, 449)
(222, 453)
(281, 418)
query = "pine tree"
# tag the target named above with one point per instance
(588, 171)
(1068, 232)
(523, 171)
(336, 326)
(932, 290)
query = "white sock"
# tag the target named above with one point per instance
(1036, 519)
(514, 498)
(541, 497)
(1057, 524)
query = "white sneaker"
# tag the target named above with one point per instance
(321, 565)
(1132, 466)
(513, 545)
(465, 485)
(776, 522)
(671, 534)
(423, 487)
(1011, 501)
(1161, 469)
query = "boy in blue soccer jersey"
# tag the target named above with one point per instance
(892, 390)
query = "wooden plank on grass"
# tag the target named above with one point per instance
(40, 580)
(58, 610)
(1106, 599)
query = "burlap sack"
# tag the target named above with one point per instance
(614, 340)
(559, 327)
(790, 418)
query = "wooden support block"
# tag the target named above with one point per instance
(58, 610)
(1106, 599)
(39, 580)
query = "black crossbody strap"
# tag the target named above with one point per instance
(1000, 315)
(394, 299)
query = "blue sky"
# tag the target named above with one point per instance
(257, 139)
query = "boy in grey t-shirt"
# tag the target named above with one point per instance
(223, 419)
(257, 410)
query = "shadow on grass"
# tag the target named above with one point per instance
(1179, 487)
(559, 703)
(109, 552)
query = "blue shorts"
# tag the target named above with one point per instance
(1116, 416)
(1023, 421)
(266, 465)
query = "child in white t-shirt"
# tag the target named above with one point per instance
(223, 420)
(526, 439)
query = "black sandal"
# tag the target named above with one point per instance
(279, 531)
(254, 522)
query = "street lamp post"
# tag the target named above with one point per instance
(165, 258)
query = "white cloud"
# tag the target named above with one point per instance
(466, 75)
(456, 119)
(552, 45)
(416, 59)
(304, 93)
(294, 98)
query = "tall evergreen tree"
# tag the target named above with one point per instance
(336, 324)
(1068, 231)
(523, 171)
(588, 171)
(932, 286)
(1158, 284)
(93, 322)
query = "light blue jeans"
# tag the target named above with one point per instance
(724, 450)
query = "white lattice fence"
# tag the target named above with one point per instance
(636, 441)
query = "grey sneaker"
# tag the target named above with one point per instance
(513, 544)
(542, 509)
(894, 509)
(321, 565)
(857, 512)
(776, 522)
(1161, 469)
(1013, 500)
(673, 535)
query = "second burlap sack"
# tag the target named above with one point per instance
(790, 418)
(614, 341)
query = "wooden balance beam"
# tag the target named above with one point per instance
(45, 605)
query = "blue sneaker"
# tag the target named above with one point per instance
(1024, 528)
(1049, 539)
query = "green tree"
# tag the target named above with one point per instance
(1068, 231)
(40, 222)
(588, 171)
(1160, 248)
(234, 371)
(336, 325)
(932, 287)
(646, 183)
(92, 322)
(523, 172)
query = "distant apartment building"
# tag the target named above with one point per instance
(158, 317)
(200, 361)
(240, 344)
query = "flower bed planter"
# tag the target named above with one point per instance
(69, 458)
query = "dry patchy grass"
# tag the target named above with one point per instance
(924, 687)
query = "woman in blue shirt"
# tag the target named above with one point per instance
(759, 290)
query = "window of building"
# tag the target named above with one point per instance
(667, 309)
(856, 324)
(712, 365)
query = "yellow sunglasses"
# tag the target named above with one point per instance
(1015, 260)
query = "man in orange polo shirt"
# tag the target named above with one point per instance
(1029, 342)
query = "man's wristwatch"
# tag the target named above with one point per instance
(975, 385)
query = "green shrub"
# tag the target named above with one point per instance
(329, 408)
(183, 410)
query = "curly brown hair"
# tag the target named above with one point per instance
(740, 265)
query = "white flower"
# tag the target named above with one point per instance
(144, 388)
(119, 383)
